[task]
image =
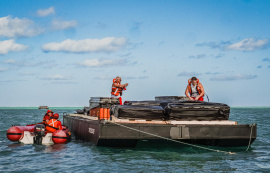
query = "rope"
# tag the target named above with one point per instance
(207, 97)
(205, 148)
(250, 137)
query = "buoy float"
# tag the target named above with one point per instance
(61, 136)
(15, 133)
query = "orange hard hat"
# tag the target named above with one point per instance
(56, 116)
(49, 111)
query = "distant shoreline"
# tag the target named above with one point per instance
(41, 109)
(254, 107)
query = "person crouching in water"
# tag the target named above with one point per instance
(54, 124)
(117, 88)
(194, 90)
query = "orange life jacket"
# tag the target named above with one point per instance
(46, 117)
(53, 125)
(116, 90)
(198, 88)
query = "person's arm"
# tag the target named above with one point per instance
(46, 122)
(119, 85)
(60, 125)
(203, 92)
(187, 94)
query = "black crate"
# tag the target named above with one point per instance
(196, 110)
(103, 102)
(139, 112)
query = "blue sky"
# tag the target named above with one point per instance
(60, 53)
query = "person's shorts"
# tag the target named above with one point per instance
(200, 99)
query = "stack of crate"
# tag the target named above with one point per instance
(100, 106)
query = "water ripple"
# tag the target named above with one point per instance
(78, 156)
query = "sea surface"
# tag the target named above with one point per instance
(78, 156)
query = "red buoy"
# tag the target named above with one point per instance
(61, 136)
(15, 133)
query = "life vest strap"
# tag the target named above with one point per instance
(52, 127)
(52, 123)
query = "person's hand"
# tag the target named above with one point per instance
(191, 98)
(197, 98)
(126, 84)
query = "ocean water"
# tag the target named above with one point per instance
(78, 156)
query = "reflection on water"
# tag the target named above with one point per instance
(15, 145)
(55, 148)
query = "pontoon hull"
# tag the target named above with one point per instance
(102, 133)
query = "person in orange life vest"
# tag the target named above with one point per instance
(117, 88)
(47, 116)
(194, 90)
(54, 124)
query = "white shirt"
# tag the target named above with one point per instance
(194, 91)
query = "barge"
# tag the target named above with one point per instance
(173, 118)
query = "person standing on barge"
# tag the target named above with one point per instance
(117, 88)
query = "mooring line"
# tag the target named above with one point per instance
(250, 137)
(170, 139)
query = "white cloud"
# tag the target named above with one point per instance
(104, 77)
(102, 25)
(248, 44)
(31, 63)
(189, 74)
(233, 77)
(7, 81)
(220, 55)
(15, 27)
(126, 55)
(10, 46)
(63, 82)
(108, 44)
(2, 69)
(133, 77)
(10, 61)
(212, 73)
(62, 25)
(266, 59)
(28, 74)
(45, 12)
(123, 77)
(215, 45)
(103, 62)
(199, 56)
(55, 77)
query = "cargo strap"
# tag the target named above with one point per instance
(205, 148)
